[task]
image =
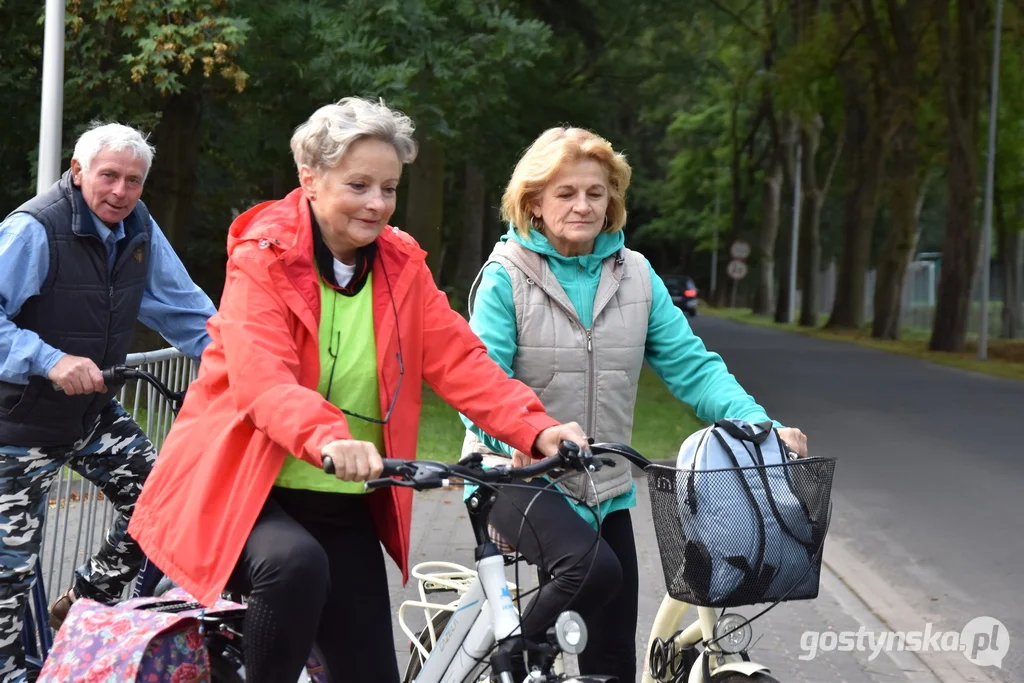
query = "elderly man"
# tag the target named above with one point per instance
(81, 263)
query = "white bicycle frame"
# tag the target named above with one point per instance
(469, 635)
(666, 623)
(484, 615)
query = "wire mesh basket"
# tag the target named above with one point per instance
(742, 535)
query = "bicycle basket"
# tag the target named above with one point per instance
(743, 535)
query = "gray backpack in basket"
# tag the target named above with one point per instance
(748, 534)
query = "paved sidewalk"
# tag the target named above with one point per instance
(441, 532)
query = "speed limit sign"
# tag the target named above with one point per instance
(736, 269)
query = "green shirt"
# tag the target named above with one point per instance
(348, 379)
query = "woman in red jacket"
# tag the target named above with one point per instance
(328, 326)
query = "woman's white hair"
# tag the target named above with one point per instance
(323, 139)
(115, 137)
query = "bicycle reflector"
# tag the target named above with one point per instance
(733, 633)
(571, 632)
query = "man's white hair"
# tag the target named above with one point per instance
(115, 137)
(323, 139)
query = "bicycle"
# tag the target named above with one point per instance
(711, 648)
(222, 631)
(483, 629)
(38, 639)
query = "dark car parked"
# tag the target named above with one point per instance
(683, 291)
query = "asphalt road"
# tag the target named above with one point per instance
(929, 489)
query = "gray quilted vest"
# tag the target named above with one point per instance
(585, 376)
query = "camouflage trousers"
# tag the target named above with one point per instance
(116, 456)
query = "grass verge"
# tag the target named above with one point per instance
(1005, 356)
(661, 423)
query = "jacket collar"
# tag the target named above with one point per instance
(365, 257)
(283, 229)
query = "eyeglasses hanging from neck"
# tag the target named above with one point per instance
(335, 348)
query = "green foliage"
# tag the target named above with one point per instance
(447, 64)
(681, 88)
(159, 44)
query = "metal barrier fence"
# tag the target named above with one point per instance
(78, 515)
(920, 290)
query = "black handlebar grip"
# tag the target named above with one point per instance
(328, 464)
(109, 375)
(567, 448)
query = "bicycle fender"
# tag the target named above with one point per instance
(745, 668)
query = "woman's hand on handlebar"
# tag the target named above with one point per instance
(520, 459)
(354, 460)
(548, 440)
(795, 439)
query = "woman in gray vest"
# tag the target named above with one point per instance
(563, 306)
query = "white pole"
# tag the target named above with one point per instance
(794, 247)
(52, 112)
(990, 171)
(714, 249)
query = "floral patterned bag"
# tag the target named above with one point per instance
(126, 642)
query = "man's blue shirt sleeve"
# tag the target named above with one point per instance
(24, 263)
(172, 304)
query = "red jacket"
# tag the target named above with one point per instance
(255, 398)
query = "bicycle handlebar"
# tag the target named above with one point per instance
(118, 373)
(423, 475)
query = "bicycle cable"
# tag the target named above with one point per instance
(549, 487)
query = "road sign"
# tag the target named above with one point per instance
(736, 269)
(740, 249)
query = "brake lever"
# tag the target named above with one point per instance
(471, 460)
(386, 481)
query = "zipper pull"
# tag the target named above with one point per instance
(590, 346)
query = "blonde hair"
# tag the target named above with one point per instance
(545, 157)
(323, 139)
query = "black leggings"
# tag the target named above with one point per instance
(596, 577)
(314, 572)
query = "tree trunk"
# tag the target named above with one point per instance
(960, 72)
(810, 223)
(494, 227)
(472, 241)
(772, 184)
(895, 41)
(789, 171)
(425, 209)
(770, 212)
(865, 145)
(905, 189)
(1011, 255)
(738, 206)
(172, 179)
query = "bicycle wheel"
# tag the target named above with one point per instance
(163, 586)
(413, 668)
(316, 668)
(224, 668)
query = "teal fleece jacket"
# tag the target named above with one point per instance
(693, 374)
